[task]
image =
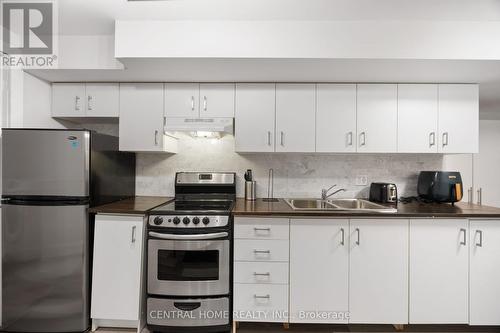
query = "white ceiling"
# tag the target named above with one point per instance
(94, 17)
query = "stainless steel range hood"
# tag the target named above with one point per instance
(218, 125)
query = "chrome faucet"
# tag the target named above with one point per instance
(325, 195)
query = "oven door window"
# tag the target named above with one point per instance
(183, 265)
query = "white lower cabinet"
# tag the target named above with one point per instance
(261, 252)
(378, 277)
(484, 272)
(319, 270)
(117, 286)
(439, 254)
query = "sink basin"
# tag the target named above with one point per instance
(310, 204)
(354, 205)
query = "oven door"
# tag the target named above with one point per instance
(188, 265)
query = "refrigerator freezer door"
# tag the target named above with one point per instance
(45, 163)
(45, 262)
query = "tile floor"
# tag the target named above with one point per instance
(276, 328)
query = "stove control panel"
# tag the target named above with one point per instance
(188, 221)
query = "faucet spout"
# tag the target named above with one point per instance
(325, 195)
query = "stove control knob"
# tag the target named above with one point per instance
(196, 220)
(176, 220)
(206, 220)
(158, 220)
(186, 220)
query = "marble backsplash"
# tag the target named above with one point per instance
(295, 175)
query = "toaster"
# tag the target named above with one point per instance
(440, 186)
(383, 192)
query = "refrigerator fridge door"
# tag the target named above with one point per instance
(45, 264)
(45, 163)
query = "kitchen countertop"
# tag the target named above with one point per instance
(414, 209)
(134, 205)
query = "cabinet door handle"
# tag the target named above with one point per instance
(342, 236)
(362, 139)
(192, 103)
(262, 251)
(349, 139)
(261, 274)
(358, 236)
(464, 239)
(480, 233)
(268, 138)
(432, 139)
(89, 103)
(445, 139)
(282, 138)
(156, 137)
(262, 229)
(480, 196)
(264, 296)
(77, 103)
(470, 193)
(133, 233)
(204, 103)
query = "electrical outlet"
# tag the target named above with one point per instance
(361, 180)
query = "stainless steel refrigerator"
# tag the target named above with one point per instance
(49, 180)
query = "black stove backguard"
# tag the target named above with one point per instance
(204, 186)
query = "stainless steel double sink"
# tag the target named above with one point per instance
(355, 205)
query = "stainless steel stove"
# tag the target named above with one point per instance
(189, 256)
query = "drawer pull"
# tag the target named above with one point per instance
(262, 229)
(261, 274)
(262, 297)
(262, 251)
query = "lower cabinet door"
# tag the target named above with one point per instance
(439, 271)
(485, 272)
(261, 302)
(116, 276)
(378, 278)
(319, 270)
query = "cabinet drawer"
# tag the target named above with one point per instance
(261, 302)
(261, 272)
(260, 250)
(261, 228)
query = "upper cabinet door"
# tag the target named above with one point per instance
(458, 118)
(68, 99)
(216, 100)
(377, 118)
(417, 118)
(141, 117)
(254, 117)
(103, 100)
(336, 118)
(182, 99)
(295, 117)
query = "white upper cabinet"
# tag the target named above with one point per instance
(182, 99)
(377, 118)
(417, 118)
(319, 269)
(103, 100)
(254, 117)
(458, 118)
(378, 278)
(141, 117)
(216, 100)
(336, 118)
(85, 100)
(295, 117)
(439, 256)
(484, 272)
(68, 100)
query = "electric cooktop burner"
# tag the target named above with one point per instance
(178, 206)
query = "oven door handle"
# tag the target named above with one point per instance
(188, 237)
